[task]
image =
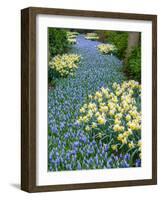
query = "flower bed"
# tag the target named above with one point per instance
(114, 117)
(91, 36)
(107, 48)
(71, 37)
(65, 64)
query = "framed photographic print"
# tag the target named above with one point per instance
(88, 99)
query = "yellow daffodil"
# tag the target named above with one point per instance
(117, 121)
(103, 109)
(97, 114)
(101, 120)
(118, 116)
(87, 128)
(85, 119)
(100, 135)
(112, 112)
(120, 137)
(128, 117)
(98, 95)
(118, 128)
(82, 110)
(94, 125)
(139, 143)
(126, 134)
(114, 147)
(131, 144)
(124, 140)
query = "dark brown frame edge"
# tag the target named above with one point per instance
(28, 98)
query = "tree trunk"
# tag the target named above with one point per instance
(133, 40)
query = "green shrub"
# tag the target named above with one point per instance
(58, 43)
(133, 66)
(120, 40)
(51, 74)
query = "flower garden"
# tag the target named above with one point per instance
(94, 109)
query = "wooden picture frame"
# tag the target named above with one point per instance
(28, 98)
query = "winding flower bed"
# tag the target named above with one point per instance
(71, 146)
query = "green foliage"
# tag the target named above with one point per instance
(133, 66)
(58, 43)
(51, 74)
(120, 40)
(103, 35)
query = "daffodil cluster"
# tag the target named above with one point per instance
(91, 36)
(106, 48)
(113, 117)
(71, 37)
(65, 64)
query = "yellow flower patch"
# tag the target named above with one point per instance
(106, 48)
(65, 64)
(117, 116)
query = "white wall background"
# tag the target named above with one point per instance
(10, 98)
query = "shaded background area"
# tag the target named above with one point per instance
(128, 46)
